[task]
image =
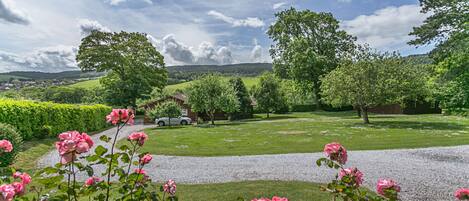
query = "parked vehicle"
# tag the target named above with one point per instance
(165, 121)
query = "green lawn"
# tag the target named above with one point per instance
(295, 191)
(308, 132)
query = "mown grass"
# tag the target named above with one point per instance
(294, 190)
(248, 81)
(308, 132)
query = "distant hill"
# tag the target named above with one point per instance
(191, 72)
(47, 76)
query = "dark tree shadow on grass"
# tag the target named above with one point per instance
(412, 125)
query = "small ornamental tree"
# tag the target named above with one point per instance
(168, 109)
(371, 79)
(268, 95)
(245, 106)
(211, 93)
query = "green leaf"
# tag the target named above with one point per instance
(105, 138)
(100, 150)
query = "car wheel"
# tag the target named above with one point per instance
(161, 123)
(183, 122)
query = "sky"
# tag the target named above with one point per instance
(44, 35)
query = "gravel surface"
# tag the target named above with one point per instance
(424, 174)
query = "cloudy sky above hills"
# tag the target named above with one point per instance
(44, 35)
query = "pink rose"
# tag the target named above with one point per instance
(19, 188)
(336, 152)
(140, 171)
(387, 187)
(462, 194)
(275, 198)
(145, 159)
(354, 174)
(7, 192)
(261, 199)
(92, 181)
(120, 116)
(72, 143)
(140, 137)
(25, 178)
(6, 146)
(170, 187)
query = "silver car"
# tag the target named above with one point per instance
(164, 121)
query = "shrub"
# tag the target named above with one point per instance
(8, 132)
(39, 119)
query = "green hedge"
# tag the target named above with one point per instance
(8, 132)
(40, 119)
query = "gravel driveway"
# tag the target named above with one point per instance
(424, 174)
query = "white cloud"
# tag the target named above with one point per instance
(49, 59)
(86, 26)
(386, 29)
(118, 2)
(278, 5)
(10, 14)
(177, 50)
(344, 1)
(248, 22)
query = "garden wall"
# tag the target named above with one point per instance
(42, 119)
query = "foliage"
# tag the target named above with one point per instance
(8, 132)
(306, 46)
(168, 109)
(134, 66)
(371, 79)
(211, 93)
(245, 104)
(35, 119)
(346, 184)
(132, 185)
(448, 27)
(268, 95)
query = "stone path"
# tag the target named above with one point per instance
(424, 174)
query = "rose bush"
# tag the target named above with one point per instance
(347, 182)
(129, 186)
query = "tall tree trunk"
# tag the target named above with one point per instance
(267, 114)
(169, 121)
(212, 118)
(365, 114)
(359, 112)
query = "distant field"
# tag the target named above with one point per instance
(248, 81)
(89, 84)
(4, 78)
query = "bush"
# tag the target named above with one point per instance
(41, 119)
(8, 132)
(302, 108)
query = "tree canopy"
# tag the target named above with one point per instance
(242, 94)
(212, 93)
(448, 28)
(306, 46)
(132, 63)
(268, 94)
(371, 79)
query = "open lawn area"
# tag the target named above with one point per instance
(308, 132)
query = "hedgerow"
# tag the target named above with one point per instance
(42, 119)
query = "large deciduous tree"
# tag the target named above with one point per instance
(212, 93)
(268, 94)
(132, 63)
(306, 46)
(371, 79)
(448, 28)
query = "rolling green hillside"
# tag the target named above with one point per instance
(88, 84)
(248, 81)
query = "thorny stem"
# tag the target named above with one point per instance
(131, 157)
(74, 180)
(136, 181)
(68, 183)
